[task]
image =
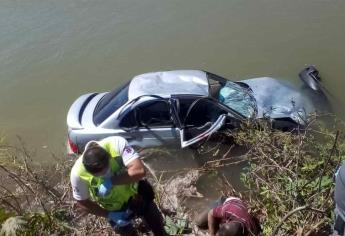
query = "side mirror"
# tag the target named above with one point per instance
(310, 76)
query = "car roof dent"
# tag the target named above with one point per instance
(169, 83)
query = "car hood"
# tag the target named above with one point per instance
(279, 99)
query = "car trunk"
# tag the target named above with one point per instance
(81, 112)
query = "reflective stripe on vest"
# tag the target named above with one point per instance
(119, 194)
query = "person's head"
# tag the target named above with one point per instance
(233, 228)
(96, 159)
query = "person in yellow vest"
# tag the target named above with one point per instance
(107, 181)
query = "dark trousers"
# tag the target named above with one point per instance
(143, 206)
(339, 223)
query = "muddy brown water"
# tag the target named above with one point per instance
(52, 51)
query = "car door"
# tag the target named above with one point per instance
(150, 124)
(199, 119)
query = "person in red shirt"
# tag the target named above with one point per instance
(229, 218)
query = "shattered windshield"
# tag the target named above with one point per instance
(238, 98)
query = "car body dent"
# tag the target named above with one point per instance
(165, 83)
(277, 99)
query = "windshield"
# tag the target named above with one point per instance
(238, 98)
(110, 103)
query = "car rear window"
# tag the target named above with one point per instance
(110, 103)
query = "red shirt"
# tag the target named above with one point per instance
(234, 209)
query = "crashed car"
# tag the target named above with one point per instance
(183, 107)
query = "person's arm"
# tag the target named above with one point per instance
(212, 223)
(135, 171)
(81, 195)
(92, 208)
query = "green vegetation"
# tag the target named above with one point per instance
(288, 179)
(175, 226)
(33, 199)
(290, 176)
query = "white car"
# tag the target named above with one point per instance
(183, 107)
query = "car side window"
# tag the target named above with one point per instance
(129, 120)
(154, 114)
(148, 114)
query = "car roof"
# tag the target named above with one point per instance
(167, 83)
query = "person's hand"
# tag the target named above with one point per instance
(105, 187)
(121, 218)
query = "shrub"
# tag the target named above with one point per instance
(290, 176)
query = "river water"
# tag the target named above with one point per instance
(52, 51)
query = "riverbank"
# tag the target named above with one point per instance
(287, 184)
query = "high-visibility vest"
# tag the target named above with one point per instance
(119, 194)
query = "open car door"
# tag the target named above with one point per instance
(212, 128)
(202, 118)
